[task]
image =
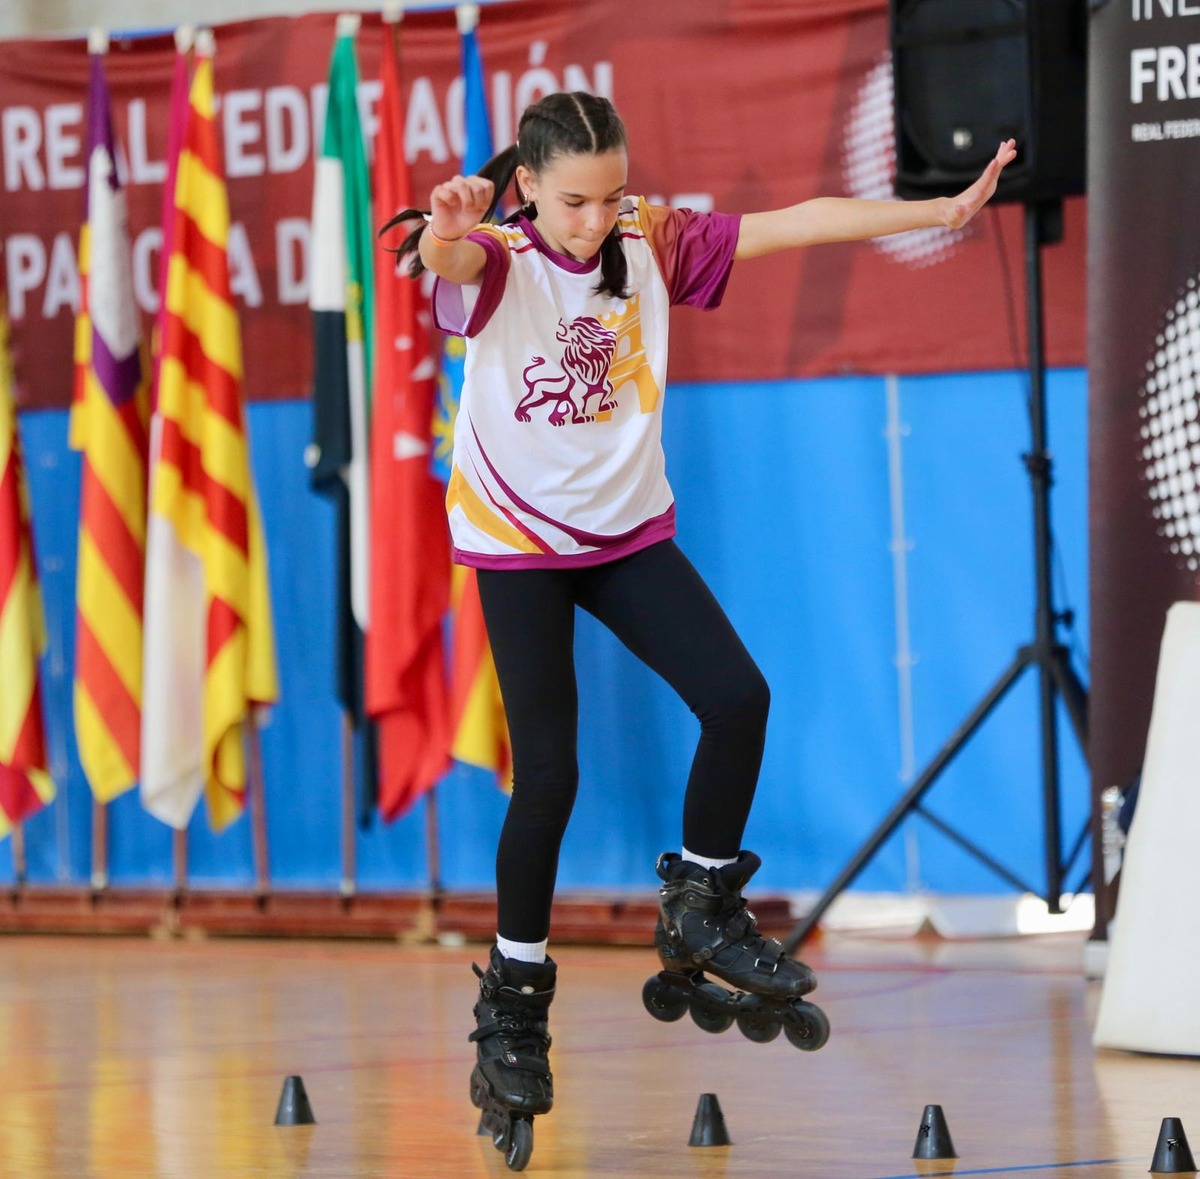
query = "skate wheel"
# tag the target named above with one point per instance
(711, 1021)
(520, 1144)
(807, 1028)
(663, 1001)
(758, 1026)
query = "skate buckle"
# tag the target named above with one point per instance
(773, 958)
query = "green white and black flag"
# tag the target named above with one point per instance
(341, 299)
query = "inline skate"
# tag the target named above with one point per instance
(704, 928)
(511, 1081)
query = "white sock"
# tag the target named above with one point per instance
(706, 861)
(522, 951)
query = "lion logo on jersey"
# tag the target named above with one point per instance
(587, 356)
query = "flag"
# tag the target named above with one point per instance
(406, 689)
(25, 783)
(480, 731)
(174, 657)
(177, 108)
(209, 613)
(341, 302)
(108, 424)
(476, 709)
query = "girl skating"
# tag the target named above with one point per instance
(559, 499)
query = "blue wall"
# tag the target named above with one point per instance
(784, 506)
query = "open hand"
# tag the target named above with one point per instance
(960, 209)
(457, 206)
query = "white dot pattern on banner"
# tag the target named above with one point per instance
(1170, 432)
(869, 170)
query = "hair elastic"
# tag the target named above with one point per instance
(441, 241)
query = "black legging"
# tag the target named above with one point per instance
(658, 606)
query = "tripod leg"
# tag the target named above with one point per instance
(909, 801)
(1074, 695)
(1051, 819)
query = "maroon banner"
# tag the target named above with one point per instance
(737, 105)
(1144, 358)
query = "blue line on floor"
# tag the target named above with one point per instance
(1008, 1170)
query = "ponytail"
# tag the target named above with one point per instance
(500, 170)
(614, 270)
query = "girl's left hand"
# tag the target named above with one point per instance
(960, 209)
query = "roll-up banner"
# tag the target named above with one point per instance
(1143, 356)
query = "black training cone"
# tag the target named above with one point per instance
(708, 1128)
(294, 1109)
(933, 1138)
(1172, 1155)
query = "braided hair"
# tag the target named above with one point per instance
(562, 124)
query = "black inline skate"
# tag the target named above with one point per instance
(511, 1081)
(705, 926)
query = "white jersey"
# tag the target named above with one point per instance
(558, 457)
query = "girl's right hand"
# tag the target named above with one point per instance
(457, 206)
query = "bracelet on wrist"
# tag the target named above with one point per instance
(442, 241)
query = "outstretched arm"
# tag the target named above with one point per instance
(847, 219)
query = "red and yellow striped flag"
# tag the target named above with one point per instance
(202, 488)
(478, 718)
(25, 783)
(108, 424)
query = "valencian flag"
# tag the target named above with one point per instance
(340, 296)
(25, 783)
(406, 688)
(173, 668)
(480, 731)
(108, 424)
(217, 626)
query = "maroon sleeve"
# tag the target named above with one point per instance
(449, 308)
(694, 252)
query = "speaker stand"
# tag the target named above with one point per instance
(1050, 658)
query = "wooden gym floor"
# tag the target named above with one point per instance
(131, 1058)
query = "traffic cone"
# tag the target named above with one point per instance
(294, 1109)
(708, 1127)
(1172, 1155)
(933, 1136)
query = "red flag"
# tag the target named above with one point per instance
(410, 549)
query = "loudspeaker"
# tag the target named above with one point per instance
(971, 73)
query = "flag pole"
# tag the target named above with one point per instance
(18, 855)
(99, 845)
(433, 845)
(179, 858)
(349, 847)
(257, 800)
